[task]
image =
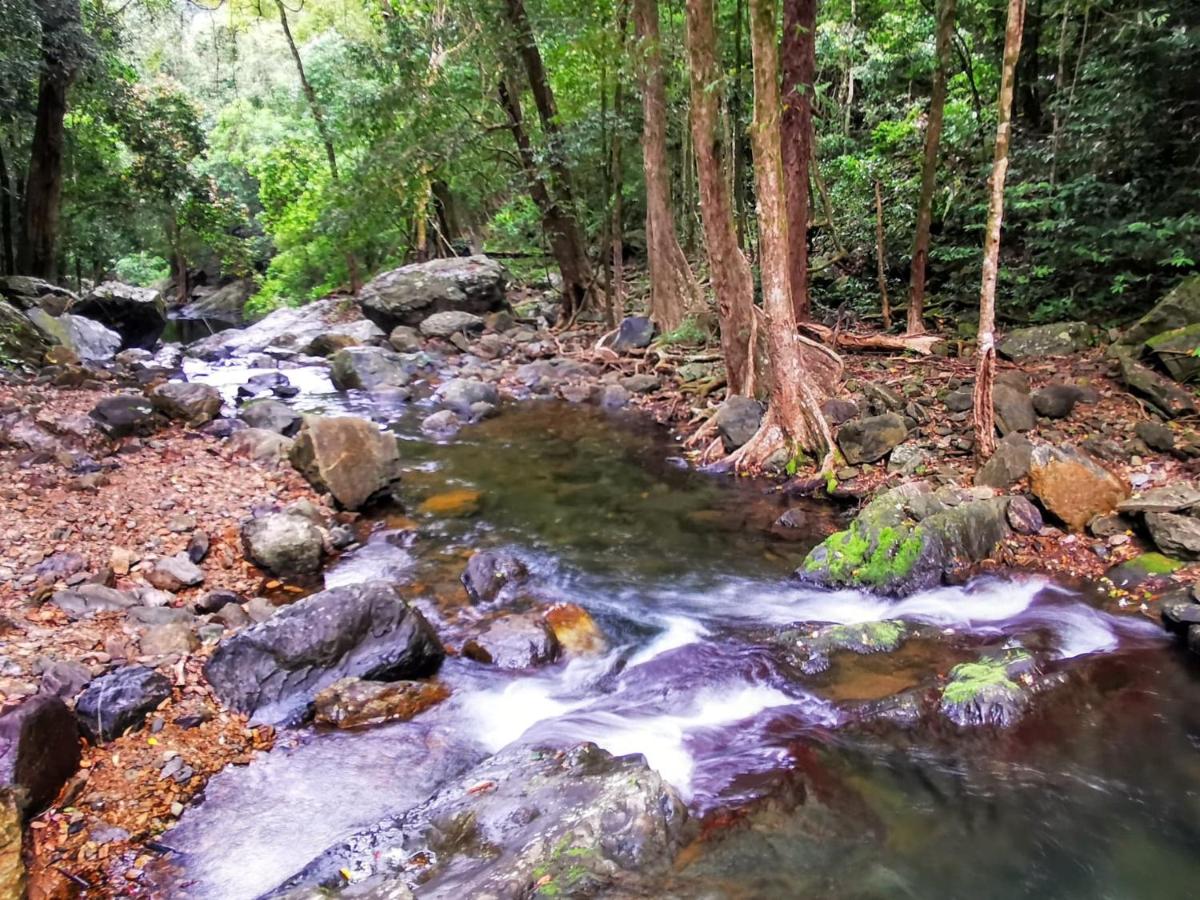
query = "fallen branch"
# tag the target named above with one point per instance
(892, 343)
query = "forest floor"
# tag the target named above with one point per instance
(148, 496)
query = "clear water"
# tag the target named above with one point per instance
(1096, 793)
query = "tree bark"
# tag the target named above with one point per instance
(794, 421)
(933, 139)
(674, 292)
(735, 115)
(798, 58)
(43, 188)
(983, 414)
(732, 280)
(8, 261)
(885, 305)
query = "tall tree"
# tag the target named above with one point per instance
(794, 422)
(984, 415)
(933, 139)
(732, 280)
(798, 58)
(63, 45)
(572, 256)
(673, 288)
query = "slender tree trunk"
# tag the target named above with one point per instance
(674, 292)
(8, 261)
(617, 228)
(1029, 71)
(933, 139)
(1060, 74)
(735, 115)
(732, 280)
(984, 415)
(577, 276)
(798, 57)
(794, 421)
(43, 187)
(881, 258)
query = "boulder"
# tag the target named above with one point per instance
(85, 600)
(226, 304)
(959, 401)
(583, 822)
(1073, 486)
(489, 571)
(187, 401)
(809, 646)
(838, 411)
(1142, 568)
(83, 337)
(368, 369)
(271, 415)
(575, 629)
(405, 339)
(353, 703)
(290, 330)
(139, 315)
(1179, 308)
(284, 544)
(1014, 409)
(1175, 535)
(1175, 351)
(641, 383)
(64, 679)
(518, 641)
(1023, 516)
(1055, 401)
(1057, 339)
(989, 691)
(412, 293)
(124, 415)
(26, 292)
(1170, 399)
(454, 321)
(174, 573)
(20, 341)
(441, 423)
(634, 333)
(737, 421)
(329, 344)
(1156, 436)
(168, 639)
(260, 445)
(39, 750)
(121, 700)
(1172, 498)
(348, 457)
(867, 440)
(1009, 464)
(460, 394)
(273, 670)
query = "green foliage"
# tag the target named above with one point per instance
(690, 331)
(142, 268)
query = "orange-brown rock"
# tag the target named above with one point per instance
(1073, 486)
(352, 702)
(576, 630)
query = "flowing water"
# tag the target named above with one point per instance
(1095, 793)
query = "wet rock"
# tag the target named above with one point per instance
(410, 294)
(39, 751)
(284, 544)
(124, 415)
(260, 445)
(1140, 569)
(459, 394)
(325, 444)
(405, 339)
(20, 341)
(353, 703)
(1073, 486)
(450, 323)
(174, 573)
(1156, 436)
(1172, 498)
(1056, 401)
(114, 703)
(1169, 398)
(288, 330)
(1057, 339)
(838, 411)
(168, 639)
(442, 422)
(1175, 535)
(991, 691)
(575, 629)
(518, 641)
(1009, 464)
(326, 345)
(580, 822)
(64, 679)
(1014, 409)
(870, 439)
(267, 383)
(488, 572)
(81, 336)
(273, 670)
(455, 504)
(737, 421)
(810, 647)
(85, 600)
(634, 333)
(187, 402)
(139, 315)
(368, 369)
(1023, 516)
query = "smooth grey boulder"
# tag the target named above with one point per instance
(1056, 339)
(274, 669)
(412, 293)
(284, 544)
(271, 415)
(450, 322)
(737, 420)
(121, 700)
(39, 750)
(368, 369)
(518, 641)
(139, 315)
(86, 339)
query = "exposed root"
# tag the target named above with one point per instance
(752, 457)
(704, 433)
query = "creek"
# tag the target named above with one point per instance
(802, 789)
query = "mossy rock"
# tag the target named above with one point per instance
(1179, 308)
(1141, 569)
(810, 648)
(1176, 351)
(994, 690)
(21, 344)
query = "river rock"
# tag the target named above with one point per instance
(64, 679)
(867, 440)
(174, 573)
(583, 821)
(1175, 535)
(634, 333)
(20, 341)
(451, 322)
(488, 572)
(518, 641)
(368, 369)
(168, 639)
(289, 330)
(959, 401)
(121, 700)
(26, 293)
(459, 394)
(39, 750)
(1073, 486)
(271, 415)
(1140, 569)
(348, 457)
(85, 600)
(353, 703)
(1023, 516)
(990, 691)
(124, 415)
(412, 293)
(838, 411)
(405, 339)
(441, 423)
(1057, 339)
(810, 646)
(1179, 308)
(1056, 401)
(284, 544)
(1174, 351)
(260, 445)
(83, 337)
(1014, 409)
(576, 630)
(909, 459)
(226, 304)
(273, 670)
(1009, 464)
(1170, 399)
(737, 421)
(186, 401)
(1171, 498)
(139, 315)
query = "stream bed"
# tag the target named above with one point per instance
(803, 783)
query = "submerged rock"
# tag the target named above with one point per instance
(811, 647)
(519, 641)
(119, 701)
(348, 457)
(410, 294)
(39, 751)
(570, 823)
(275, 669)
(488, 572)
(353, 702)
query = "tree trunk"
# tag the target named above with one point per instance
(577, 276)
(617, 227)
(798, 57)
(1028, 70)
(881, 259)
(43, 187)
(794, 421)
(1059, 75)
(984, 415)
(732, 280)
(933, 139)
(8, 261)
(674, 292)
(735, 114)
